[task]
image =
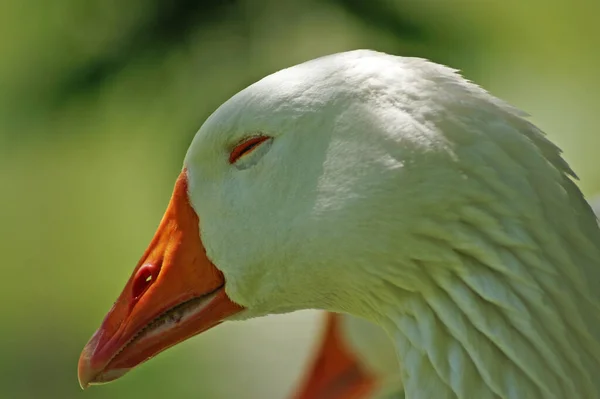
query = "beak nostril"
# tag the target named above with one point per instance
(144, 278)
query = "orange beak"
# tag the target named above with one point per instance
(174, 293)
(336, 373)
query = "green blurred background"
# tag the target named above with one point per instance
(99, 100)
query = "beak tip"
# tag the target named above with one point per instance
(85, 371)
(90, 373)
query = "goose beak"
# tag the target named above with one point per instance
(336, 372)
(175, 292)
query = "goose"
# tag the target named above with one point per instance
(387, 188)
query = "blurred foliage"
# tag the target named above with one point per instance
(99, 100)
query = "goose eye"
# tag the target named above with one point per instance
(246, 147)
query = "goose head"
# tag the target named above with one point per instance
(270, 213)
(327, 185)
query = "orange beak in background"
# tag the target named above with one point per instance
(174, 293)
(336, 372)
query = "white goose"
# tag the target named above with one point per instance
(391, 189)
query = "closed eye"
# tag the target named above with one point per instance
(245, 147)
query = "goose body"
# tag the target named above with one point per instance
(387, 188)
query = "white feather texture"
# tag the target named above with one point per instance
(375, 352)
(395, 190)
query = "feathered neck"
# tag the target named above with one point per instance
(505, 306)
(492, 291)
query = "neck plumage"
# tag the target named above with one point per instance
(487, 275)
(502, 295)
(496, 316)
